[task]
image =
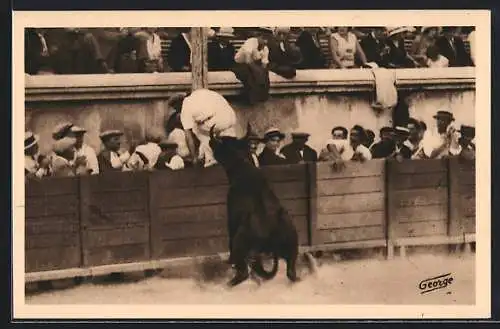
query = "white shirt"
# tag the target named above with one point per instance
(255, 159)
(205, 108)
(363, 150)
(441, 61)
(153, 45)
(89, 154)
(432, 140)
(346, 49)
(179, 136)
(249, 52)
(472, 38)
(343, 147)
(175, 163)
(417, 150)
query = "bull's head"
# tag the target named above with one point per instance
(229, 150)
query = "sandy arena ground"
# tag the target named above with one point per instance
(345, 282)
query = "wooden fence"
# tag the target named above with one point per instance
(124, 218)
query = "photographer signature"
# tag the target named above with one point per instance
(435, 283)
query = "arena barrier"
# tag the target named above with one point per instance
(125, 221)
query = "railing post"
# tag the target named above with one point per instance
(84, 218)
(313, 203)
(390, 208)
(199, 65)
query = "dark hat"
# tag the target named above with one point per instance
(444, 115)
(401, 130)
(165, 144)
(61, 130)
(273, 132)
(300, 135)
(110, 133)
(387, 130)
(176, 99)
(254, 137)
(468, 131)
(30, 140)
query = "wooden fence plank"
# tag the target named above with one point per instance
(116, 236)
(462, 197)
(312, 211)
(193, 247)
(196, 196)
(193, 230)
(56, 225)
(352, 234)
(197, 214)
(419, 166)
(119, 201)
(50, 186)
(118, 219)
(352, 169)
(420, 197)
(415, 229)
(116, 254)
(355, 219)
(118, 181)
(351, 185)
(52, 240)
(351, 203)
(421, 213)
(418, 180)
(290, 190)
(55, 205)
(189, 178)
(285, 173)
(47, 259)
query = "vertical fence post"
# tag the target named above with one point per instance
(199, 65)
(312, 184)
(84, 218)
(153, 218)
(390, 207)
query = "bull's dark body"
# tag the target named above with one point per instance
(257, 222)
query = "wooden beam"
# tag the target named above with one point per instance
(199, 65)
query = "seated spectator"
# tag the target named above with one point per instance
(422, 42)
(79, 53)
(110, 159)
(310, 48)
(64, 162)
(125, 53)
(252, 60)
(83, 150)
(375, 48)
(397, 56)
(370, 138)
(271, 154)
(297, 151)
(337, 147)
(35, 164)
(414, 141)
(451, 46)
(345, 48)
(467, 135)
(220, 51)
(169, 159)
(472, 45)
(149, 55)
(254, 142)
(175, 131)
(443, 142)
(400, 150)
(37, 57)
(284, 56)
(357, 151)
(386, 146)
(179, 53)
(435, 59)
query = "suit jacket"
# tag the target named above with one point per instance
(104, 160)
(124, 56)
(382, 150)
(312, 57)
(33, 59)
(220, 56)
(373, 50)
(397, 54)
(457, 56)
(179, 54)
(269, 158)
(292, 154)
(282, 62)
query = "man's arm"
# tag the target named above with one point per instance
(191, 145)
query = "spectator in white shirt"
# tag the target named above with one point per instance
(199, 111)
(357, 151)
(83, 150)
(254, 141)
(445, 140)
(35, 164)
(435, 59)
(169, 159)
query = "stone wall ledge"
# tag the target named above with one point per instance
(162, 85)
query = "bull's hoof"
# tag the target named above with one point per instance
(239, 278)
(293, 278)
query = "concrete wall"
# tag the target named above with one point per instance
(303, 108)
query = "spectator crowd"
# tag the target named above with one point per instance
(184, 143)
(281, 49)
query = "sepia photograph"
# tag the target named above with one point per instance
(293, 170)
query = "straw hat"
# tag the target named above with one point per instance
(273, 132)
(110, 133)
(225, 31)
(61, 130)
(399, 29)
(64, 144)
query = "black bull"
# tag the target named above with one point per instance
(257, 222)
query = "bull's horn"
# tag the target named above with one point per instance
(213, 135)
(249, 130)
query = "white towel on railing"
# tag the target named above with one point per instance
(385, 88)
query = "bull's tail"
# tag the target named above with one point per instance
(258, 268)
